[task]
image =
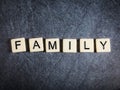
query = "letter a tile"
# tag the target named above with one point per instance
(36, 44)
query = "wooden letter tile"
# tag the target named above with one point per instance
(36, 44)
(53, 45)
(70, 45)
(103, 45)
(87, 45)
(18, 45)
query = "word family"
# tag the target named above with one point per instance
(64, 45)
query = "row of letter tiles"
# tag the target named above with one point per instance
(68, 46)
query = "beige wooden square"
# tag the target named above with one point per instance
(70, 45)
(36, 44)
(103, 45)
(52, 45)
(18, 45)
(87, 45)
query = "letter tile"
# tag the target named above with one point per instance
(70, 45)
(18, 45)
(103, 45)
(36, 44)
(87, 45)
(53, 45)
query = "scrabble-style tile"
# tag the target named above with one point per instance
(103, 45)
(87, 45)
(70, 45)
(52, 45)
(36, 44)
(18, 45)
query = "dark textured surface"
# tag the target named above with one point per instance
(62, 19)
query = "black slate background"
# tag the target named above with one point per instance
(59, 19)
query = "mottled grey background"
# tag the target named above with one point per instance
(61, 19)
